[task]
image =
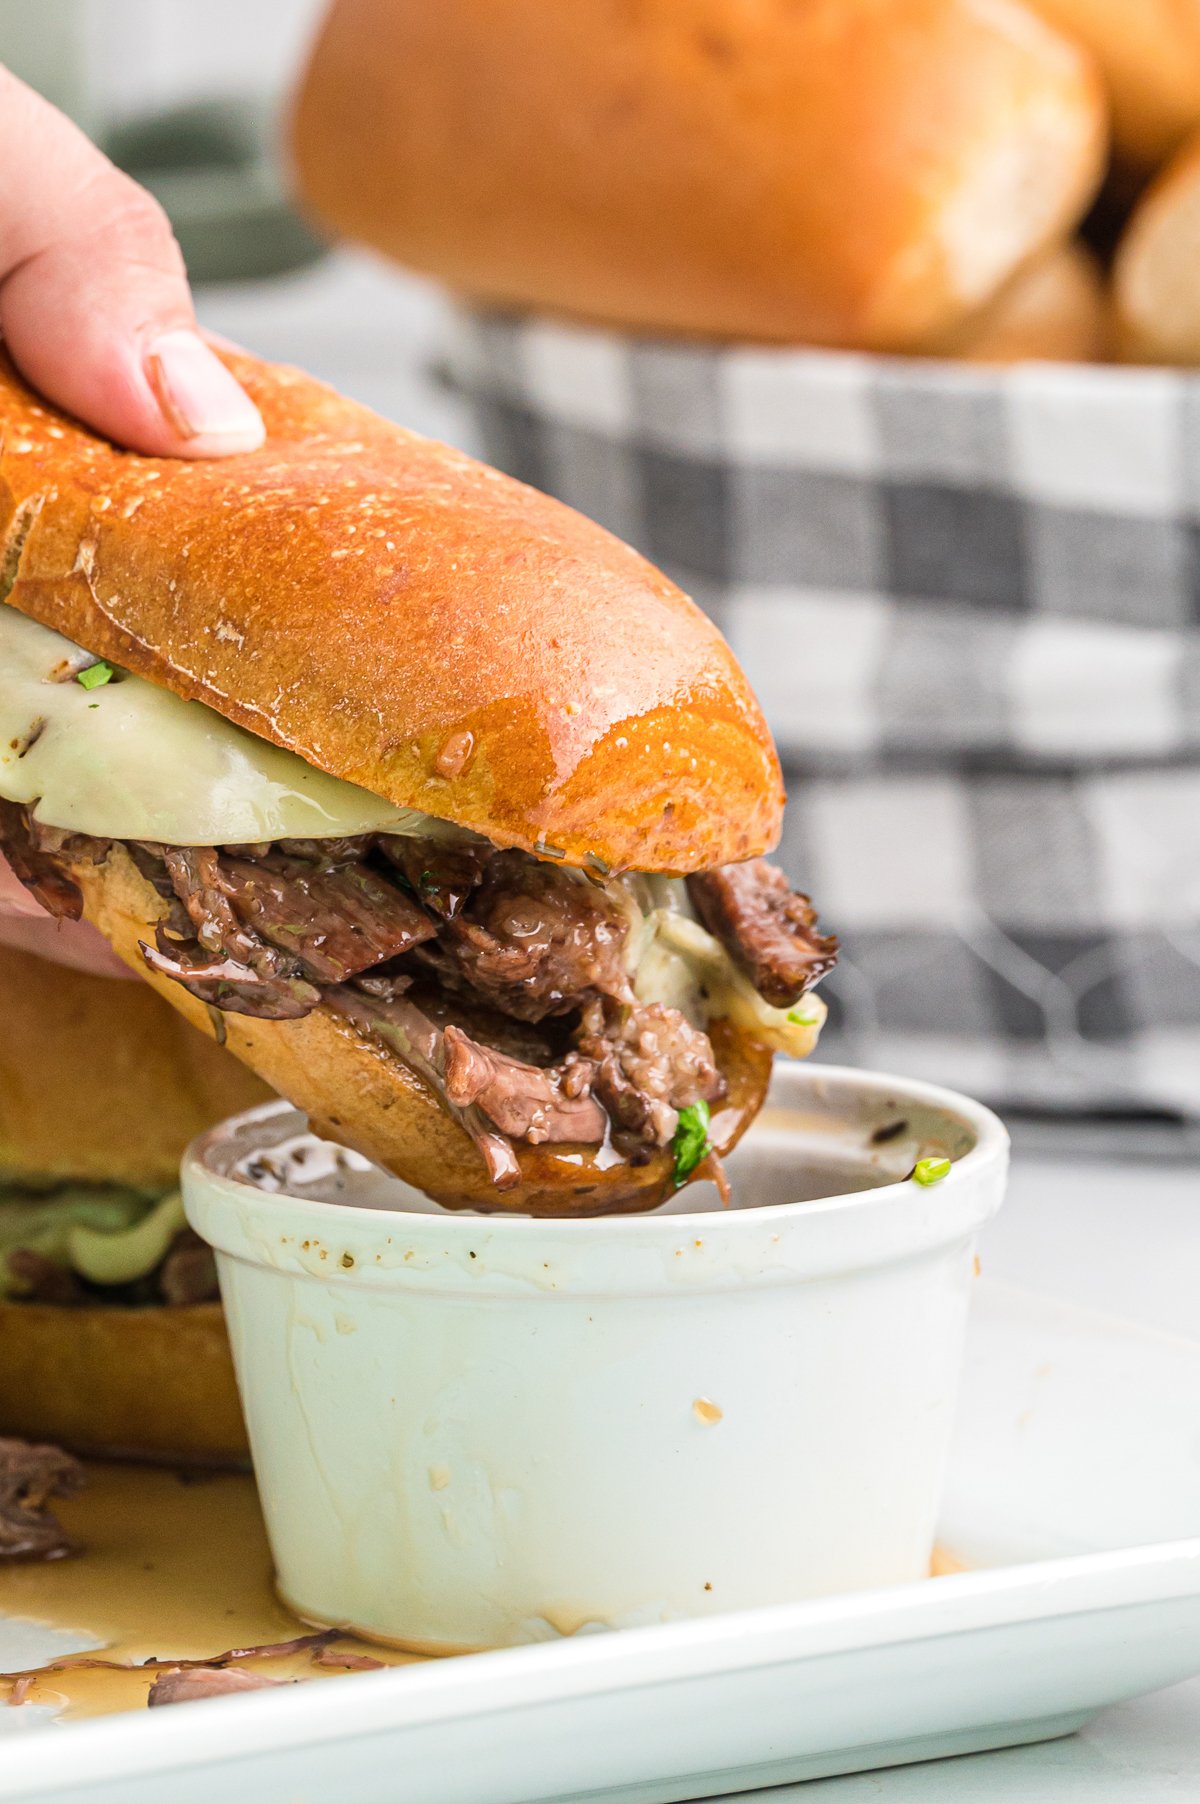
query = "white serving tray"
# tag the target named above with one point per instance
(1077, 1465)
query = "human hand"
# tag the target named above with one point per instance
(96, 313)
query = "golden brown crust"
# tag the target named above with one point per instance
(359, 1094)
(844, 172)
(361, 596)
(1149, 51)
(1156, 275)
(142, 1383)
(1058, 310)
(100, 1082)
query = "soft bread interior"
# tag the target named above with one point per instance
(361, 1095)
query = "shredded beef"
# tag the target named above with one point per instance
(766, 927)
(649, 1062)
(533, 941)
(186, 1684)
(237, 989)
(336, 920)
(500, 978)
(227, 965)
(151, 862)
(524, 1102)
(400, 1024)
(441, 876)
(199, 882)
(29, 1477)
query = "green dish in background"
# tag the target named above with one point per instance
(212, 166)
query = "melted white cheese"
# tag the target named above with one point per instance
(129, 760)
(674, 960)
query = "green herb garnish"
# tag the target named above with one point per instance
(930, 1171)
(95, 676)
(691, 1143)
(799, 1019)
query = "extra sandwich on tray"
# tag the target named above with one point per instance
(111, 1335)
(435, 803)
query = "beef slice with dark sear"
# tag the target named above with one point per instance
(768, 929)
(336, 921)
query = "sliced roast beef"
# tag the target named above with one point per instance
(228, 965)
(766, 927)
(199, 883)
(337, 921)
(441, 875)
(271, 994)
(524, 1102)
(398, 1023)
(534, 940)
(497, 1098)
(649, 1062)
(29, 1477)
(502, 979)
(187, 1684)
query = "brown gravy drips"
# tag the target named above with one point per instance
(173, 1568)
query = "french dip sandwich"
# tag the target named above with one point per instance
(437, 805)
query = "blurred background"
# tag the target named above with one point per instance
(189, 94)
(952, 531)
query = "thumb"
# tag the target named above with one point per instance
(94, 300)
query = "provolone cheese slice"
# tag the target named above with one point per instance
(127, 760)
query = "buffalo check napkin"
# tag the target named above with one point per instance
(969, 600)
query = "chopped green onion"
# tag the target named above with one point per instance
(802, 1019)
(95, 676)
(930, 1171)
(691, 1143)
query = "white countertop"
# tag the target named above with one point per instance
(1123, 1237)
(1120, 1236)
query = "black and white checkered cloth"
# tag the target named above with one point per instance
(969, 600)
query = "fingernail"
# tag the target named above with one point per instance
(200, 400)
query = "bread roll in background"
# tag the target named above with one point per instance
(1156, 275)
(101, 1082)
(1149, 51)
(839, 172)
(1057, 311)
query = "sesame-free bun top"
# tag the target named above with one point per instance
(402, 617)
(837, 172)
